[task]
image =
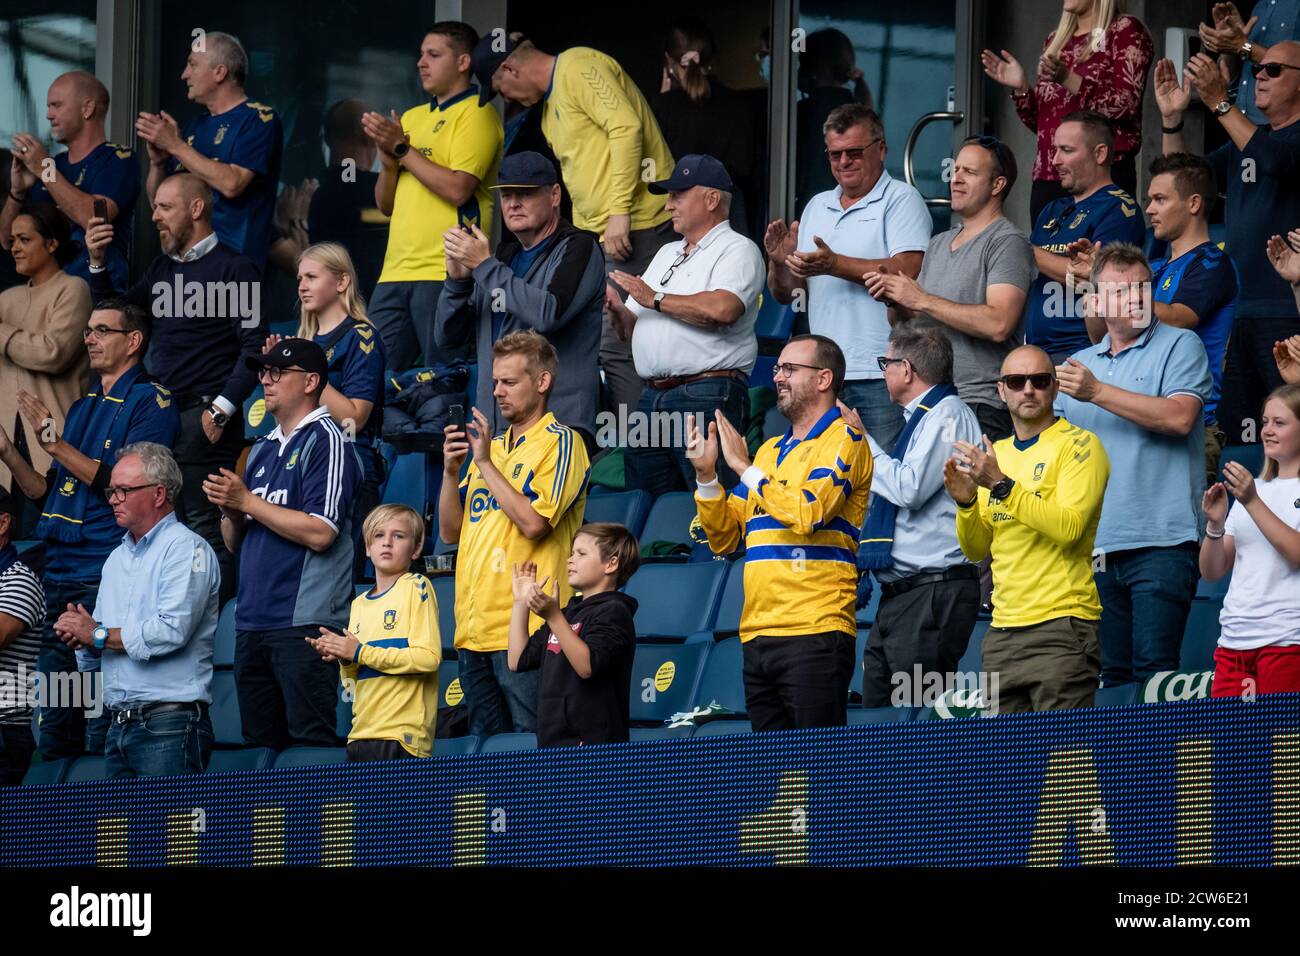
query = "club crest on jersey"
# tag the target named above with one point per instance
(518, 468)
(69, 486)
(439, 125)
(260, 472)
(80, 177)
(221, 134)
(1164, 286)
(1078, 220)
(293, 460)
(1038, 470)
(390, 619)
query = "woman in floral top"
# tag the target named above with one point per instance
(1096, 59)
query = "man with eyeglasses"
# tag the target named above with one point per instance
(1142, 390)
(974, 279)
(77, 523)
(870, 222)
(691, 320)
(1032, 502)
(289, 519)
(1259, 168)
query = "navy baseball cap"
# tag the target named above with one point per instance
(526, 170)
(697, 169)
(293, 353)
(486, 59)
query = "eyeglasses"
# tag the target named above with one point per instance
(1274, 70)
(272, 373)
(101, 332)
(786, 369)
(119, 492)
(884, 361)
(681, 257)
(853, 153)
(1041, 381)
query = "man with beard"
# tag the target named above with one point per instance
(205, 300)
(797, 510)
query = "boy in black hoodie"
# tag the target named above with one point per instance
(584, 650)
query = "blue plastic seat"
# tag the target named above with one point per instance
(664, 678)
(774, 320)
(867, 615)
(658, 733)
(223, 642)
(761, 376)
(47, 772)
(720, 728)
(227, 731)
(449, 692)
(882, 715)
(670, 519)
(342, 715)
(732, 604)
(444, 592)
(249, 758)
(677, 600)
(722, 679)
(1118, 695)
(455, 746)
(1200, 635)
(628, 508)
(310, 756)
(859, 648)
(87, 768)
(499, 743)
(1215, 590)
(407, 483)
(1251, 456)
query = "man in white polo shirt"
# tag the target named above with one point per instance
(870, 222)
(691, 318)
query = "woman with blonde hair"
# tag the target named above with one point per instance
(1259, 542)
(1096, 59)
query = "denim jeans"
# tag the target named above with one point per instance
(869, 397)
(404, 314)
(66, 731)
(288, 695)
(167, 744)
(1145, 596)
(660, 470)
(16, 747)
(499, 700)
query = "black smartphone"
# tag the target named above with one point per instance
(101, 208)
(456, 417)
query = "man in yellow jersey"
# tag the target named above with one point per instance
(610, 149)
(1033, 501)
(521, 500)
(438, 164)
(797, 510)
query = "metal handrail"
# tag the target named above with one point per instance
(926, 119)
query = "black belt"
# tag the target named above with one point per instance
(188, 400)
(145, 711)
(958, 572)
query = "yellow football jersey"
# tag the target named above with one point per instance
(394, 678)
(800, 524)
(548, 464)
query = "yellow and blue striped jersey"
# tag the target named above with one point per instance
(394, 678)
(800, 521)
(548, 464)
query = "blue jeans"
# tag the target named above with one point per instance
(167, 744)
(660, 470)
(1145, 596)
(404, 313)
(499, 700)
(869, 397)
(66, 731)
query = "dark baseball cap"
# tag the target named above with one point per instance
(293, 353)
(485, 60)
(697, 169)
(526, 170)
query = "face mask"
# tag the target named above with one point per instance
(765, 70)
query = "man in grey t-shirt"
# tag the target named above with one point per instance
(974, 280)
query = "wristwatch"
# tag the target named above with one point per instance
(401, 149)
(219, 418)
(1223, 108)
(659, 299)
(1003, 488)
(101, 636)
(1246, 50)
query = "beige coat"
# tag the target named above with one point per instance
(42, 351)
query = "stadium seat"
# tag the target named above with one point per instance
(733, 601)
(223, 643)
(774, 320)
(257, 420)
(970, 661)
(455, 746)
(722, 679)
(310, 756)
(670, 519)
(87, 768)
(774, 423)
(664, 677)
(342, 715)
(444, 591)
(761, 377)
(226, 728)
(1214, 590)
(1118, 695)
(719, 728)
(250, 758)
(1251, 456)
(46, 772)
(406, 482)
(859, 648)
(658, 733)
(449, 692)
(867, 615)
(1200, 635)
(499, 743)
(628, 508)
(676, 600)
(882, 715)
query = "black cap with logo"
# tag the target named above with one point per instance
(292, 353)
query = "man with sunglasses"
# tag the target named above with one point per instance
(77, 523)
(973, 281)
(1260, 169)
(1242, 46)
(1032, 502)
(290, 522)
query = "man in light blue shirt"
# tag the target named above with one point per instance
(929, 592)
(1243, 45)
(155, 618)
(1141, 390)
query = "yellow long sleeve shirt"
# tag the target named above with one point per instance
(799, 511)
(1041, 536)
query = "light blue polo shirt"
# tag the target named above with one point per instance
(1153, 499)
(890, 219)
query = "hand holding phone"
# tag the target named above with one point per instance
(101, 208)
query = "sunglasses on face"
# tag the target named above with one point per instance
(851, 155)
(884, 361)
(1274, 70)
(1041, 381)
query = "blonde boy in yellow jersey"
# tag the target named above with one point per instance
(1033, 501)
(521, 500)
(439, 161)
(798, 510)
(392, 649)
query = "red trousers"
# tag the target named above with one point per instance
(1270, 670)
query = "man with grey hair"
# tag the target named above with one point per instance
(153, 626)
(234, 146)
(929, 592)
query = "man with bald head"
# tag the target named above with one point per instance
(1260, 168)
(1032, 502)
(205, 300)
(89, 169)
